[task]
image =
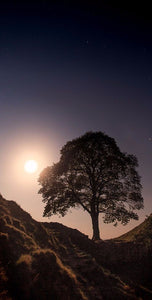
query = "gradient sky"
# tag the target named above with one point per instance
(66, 69)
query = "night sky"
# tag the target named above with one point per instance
(66, 69)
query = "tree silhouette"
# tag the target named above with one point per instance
(93, 174)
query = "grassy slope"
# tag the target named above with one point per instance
(51, 261)
(141, 233)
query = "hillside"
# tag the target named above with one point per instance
(51, 261)
(142, 233)
(130, 256)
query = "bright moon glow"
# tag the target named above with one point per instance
(31, 166)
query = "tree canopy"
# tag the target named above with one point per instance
(93, 174)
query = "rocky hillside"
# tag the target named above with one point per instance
(50, 261)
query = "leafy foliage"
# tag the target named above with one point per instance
(94, 174)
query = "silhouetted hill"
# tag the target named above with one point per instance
(51, 261)
(130, 256)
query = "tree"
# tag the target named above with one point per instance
(93, 174)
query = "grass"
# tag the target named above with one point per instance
(25, 258)
(141, 233)
(51, 261)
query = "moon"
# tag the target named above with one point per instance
(31, 166)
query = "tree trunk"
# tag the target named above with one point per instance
(95, 226)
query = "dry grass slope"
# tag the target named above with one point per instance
(44, 261)
(141, 233)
